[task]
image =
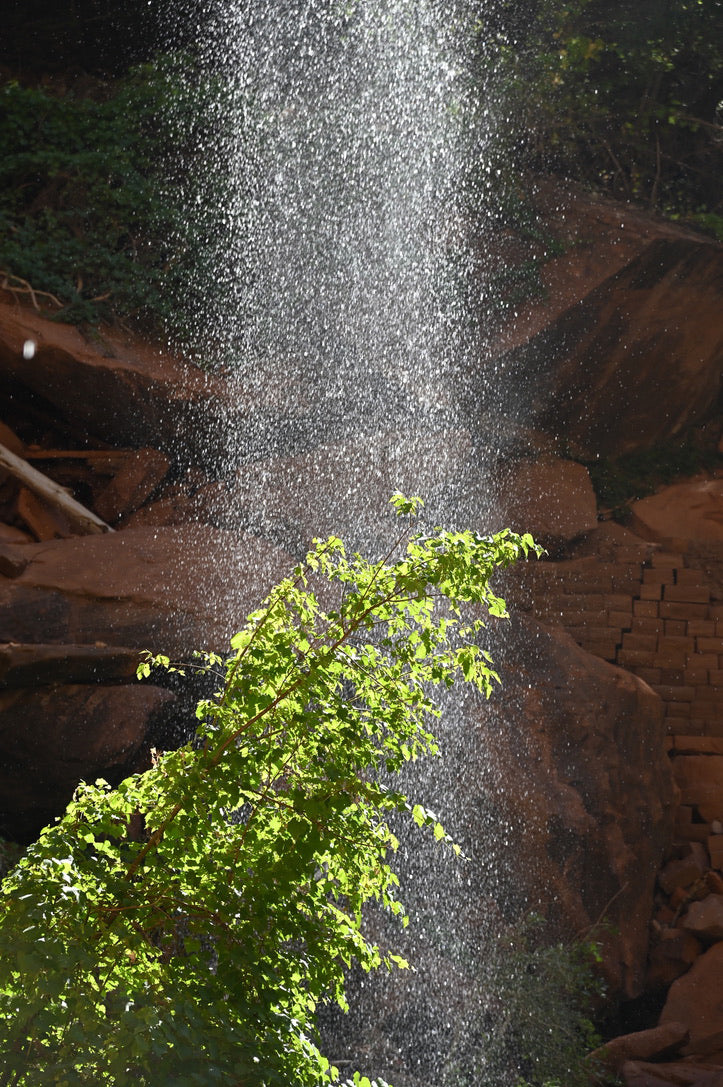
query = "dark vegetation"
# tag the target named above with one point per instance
(82, 215)
(100, 141)
(95, 183)
(74, 39)
(620, 481)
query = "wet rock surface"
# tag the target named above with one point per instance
(131, 394)
(57, 735)
(173, 589)
(649, 335)
(580, 767)
(644, 1045)
(550, 497)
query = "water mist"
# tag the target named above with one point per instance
(349, 149)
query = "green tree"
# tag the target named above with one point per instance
(626, 99)
(184, 927)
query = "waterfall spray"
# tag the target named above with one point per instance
(352, 143)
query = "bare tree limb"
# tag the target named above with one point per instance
(82, 520)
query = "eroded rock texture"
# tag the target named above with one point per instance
(579, 764)
(54, 736)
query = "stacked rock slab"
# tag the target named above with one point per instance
(653, 604)
(646, 609)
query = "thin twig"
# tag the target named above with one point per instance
(596, 924)
(656, 183)
(26, 288)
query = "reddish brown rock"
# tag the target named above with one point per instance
(643, 1045)
(714, 882)
(54, 736)
(117, 389)
(599, 238)
(673, 1074)
(46, 522)
(209, 504)
(649, 335)
(11, 535)
(344, 488)
(549, 497)
(608, 541)
(673, 954)
(663, 917)
(140, 474)
(575, 758)
(680, 873)
(705, 918)
(700, 779)
(696, 998)
(163, 589)
(682, 513)
(12, 562)
(40, 665)
(172, 589)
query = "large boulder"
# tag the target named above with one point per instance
(550, 497)
(132, 393)
(343, 487)
(696, 999)
(166, 589)
(672, 1074)
(37, 665)
(70, 706)
(643, 1045)
(595, 237)
(572, 754)
(681, 514)
(633, 363)
(54, 736)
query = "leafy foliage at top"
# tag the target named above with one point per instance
(184, 927)
(626, 98)
(108, 203)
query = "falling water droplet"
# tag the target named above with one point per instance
(343, 284)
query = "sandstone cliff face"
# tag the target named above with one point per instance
(629, 365)
(626, 347)
(629, 352)
(580, 766)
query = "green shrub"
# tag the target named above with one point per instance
(184, 927)
(547, 991)
(104, 203)
(533, 1025)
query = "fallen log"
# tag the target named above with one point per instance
(82, 520)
